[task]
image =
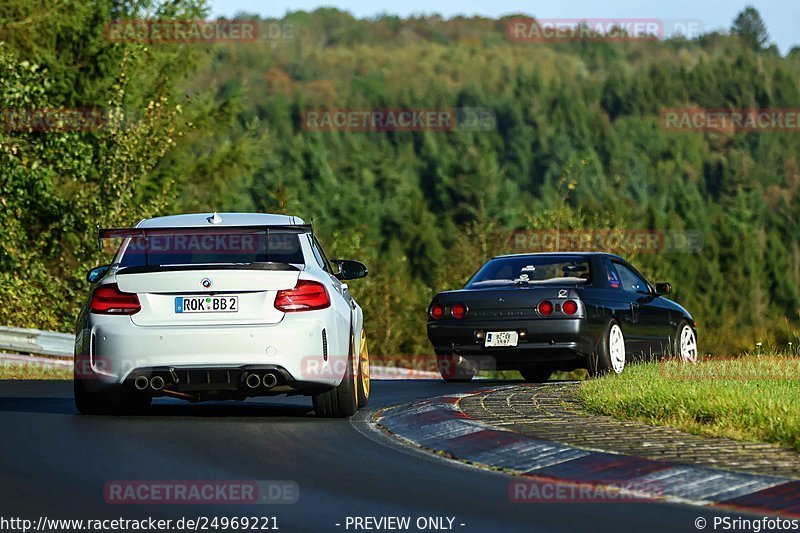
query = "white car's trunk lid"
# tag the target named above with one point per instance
(253, 290)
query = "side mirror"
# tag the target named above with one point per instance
(663, 288)
(350, 269)
(97, 273)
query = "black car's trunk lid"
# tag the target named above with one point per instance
(509, 302)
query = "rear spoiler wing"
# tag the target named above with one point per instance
(123, 233)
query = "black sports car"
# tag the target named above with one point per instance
(537, 313)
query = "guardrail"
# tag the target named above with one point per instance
(34, 341)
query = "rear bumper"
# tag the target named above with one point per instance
(539, 340)
(205, 383)
(307, 349)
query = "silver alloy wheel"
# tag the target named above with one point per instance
(688, 344)
(616, 348)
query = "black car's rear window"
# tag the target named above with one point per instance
(533, 270)
(211, 248)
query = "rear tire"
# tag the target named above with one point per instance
(684, 345)
(536, 373)
(342, 400)
(454, 368)
(607, 358)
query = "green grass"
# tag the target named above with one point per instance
(24, 371)
(745, 398)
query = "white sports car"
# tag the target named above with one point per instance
(216, 307)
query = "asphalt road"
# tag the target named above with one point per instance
(55, 463)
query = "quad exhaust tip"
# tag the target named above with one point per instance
(269, 380)
(157, 382)
(141, 382)
(252, 380)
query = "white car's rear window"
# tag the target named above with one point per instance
(212, 248)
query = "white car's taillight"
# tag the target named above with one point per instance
(306, 296)
(109, 300)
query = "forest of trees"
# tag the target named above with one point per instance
(577, 143)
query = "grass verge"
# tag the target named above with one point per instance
(745, 398)
(30, 371)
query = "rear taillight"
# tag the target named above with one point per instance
(459, 311)
(545, 308)
(436, 311)
(569, 307)
(306, 296)
(109, 300)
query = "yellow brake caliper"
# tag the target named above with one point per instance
(364, 361)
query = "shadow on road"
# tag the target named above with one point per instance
(385, 393)
(66, 406)
(56, 406)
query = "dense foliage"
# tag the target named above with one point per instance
(577, 142)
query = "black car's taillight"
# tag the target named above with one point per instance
(436, 311)
(459, 311)
(545, 308)
(570, 307)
